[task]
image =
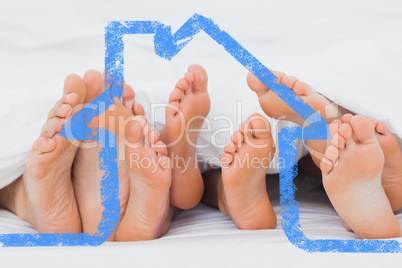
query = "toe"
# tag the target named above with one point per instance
(153, 137)
(382, 128)
(256, 85)
(259, 87)
(149, 134)
(279, 75)
(71, 99)
(345, 131)
(160, 148)
(175, 95)
(301, 88)
(347, 118)
(64, 110)
(188, 78)
(134, 131)
(172, 109)
(334, 127)
(326, 166)
(200, 80)
(289, 81)
(373, 122)
(332, 153)
(260, 126)
(128, 93)
(237, 137)
(226, 159)
(243, 125)
(74, 84)
(388, 142)
(183, 83)
(128, 97)
(51, 127)
(362, 128)
(230, 147)
(43, 145)
(338, 141)
(138, 109)
(244, 128)
(93, 80)
(61, 109)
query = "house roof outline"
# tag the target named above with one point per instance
(167, 45)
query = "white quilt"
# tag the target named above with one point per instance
(348, 50)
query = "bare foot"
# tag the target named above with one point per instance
(189, 105)
(391, 176)
(244, 166)
(86, 172)
(352, 179)
(45, 195)
(148, 211)
(276, 108)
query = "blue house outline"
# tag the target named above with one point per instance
(167, 45)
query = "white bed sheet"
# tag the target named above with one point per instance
(42, 41)
(204, 237)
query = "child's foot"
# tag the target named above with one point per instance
(148, 210)
(391, 176)
(244, 166)
(189, 105)
(45, 195)
(86, 172)
(276, 108)
(352, 179)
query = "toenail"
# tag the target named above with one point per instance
(69, 96)
(141, 119)
(64, 107)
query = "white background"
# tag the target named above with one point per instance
(42, 41)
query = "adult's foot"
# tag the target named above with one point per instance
(44, 194)
(243, 194)
(86, 172)
(391, 176)
(352, 179)
(148, 212)
(189, 105)
(276, 108)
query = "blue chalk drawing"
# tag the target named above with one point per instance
(167, 45)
